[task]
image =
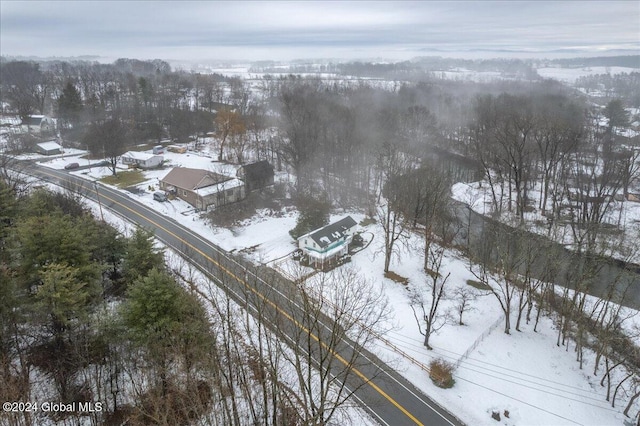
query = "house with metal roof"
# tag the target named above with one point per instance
(202, 189)
(49, 148)
(325, 245)
(141, 159)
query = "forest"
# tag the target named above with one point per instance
(86, 303)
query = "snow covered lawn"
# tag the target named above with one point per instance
(524, 373)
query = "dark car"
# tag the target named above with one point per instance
(71, 166)
(160, 196)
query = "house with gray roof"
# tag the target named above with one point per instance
(325, 245)
(203, 189)
(49, 148)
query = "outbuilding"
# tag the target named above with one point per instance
(256, 175)
(49, 148)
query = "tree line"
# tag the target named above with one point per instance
(89, 314)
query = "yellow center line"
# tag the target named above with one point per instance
(277, 308)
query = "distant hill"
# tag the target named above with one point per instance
(629, 61)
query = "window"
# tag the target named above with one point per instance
(230, 192)
(184, 192)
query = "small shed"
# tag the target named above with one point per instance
(49, 148)
(256, 175)
(141, 159)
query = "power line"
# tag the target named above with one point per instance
(468, 367)
(520, 401)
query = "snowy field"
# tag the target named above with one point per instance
(570, 75)
(524, 373)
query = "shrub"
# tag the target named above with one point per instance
(367, 221)
(397, 278)
(441, 373)
(479, 285)
(314, 214)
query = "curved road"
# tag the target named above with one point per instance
(387, 396)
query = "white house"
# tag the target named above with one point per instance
(325, 245)
(39, 124)
(141, 159)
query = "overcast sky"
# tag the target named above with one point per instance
(212, 30)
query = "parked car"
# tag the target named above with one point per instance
(71, 166)
(160, 196)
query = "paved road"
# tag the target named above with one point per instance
(383, 393)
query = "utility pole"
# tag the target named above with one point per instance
(95, 185)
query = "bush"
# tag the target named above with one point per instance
(314, 214)
(441, 373)
(397, 278)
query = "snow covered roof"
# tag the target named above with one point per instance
(218, 187)
(331, 233)
(49, 146)
(192, 179)
(136, 155)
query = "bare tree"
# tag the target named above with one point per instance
(229, 124)
(498, 267)
(430, 313)
(302, 126)
(335, 306)
(109, 140)
(395, 230)
(463, 298)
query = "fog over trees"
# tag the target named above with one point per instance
(83, 303)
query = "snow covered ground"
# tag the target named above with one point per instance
(524, 373)
(570, 75)
(624, 214)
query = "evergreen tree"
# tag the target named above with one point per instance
(55, 238)
(616, 114)
(141, 256)
(70, 106)
(314, 214)
(164, 320)
(63, 296)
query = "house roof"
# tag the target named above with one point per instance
(141, 156)
(218, 187)
(258, 171)
(331, 233)
(192, 179)
(34, 120)
(49, 146)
